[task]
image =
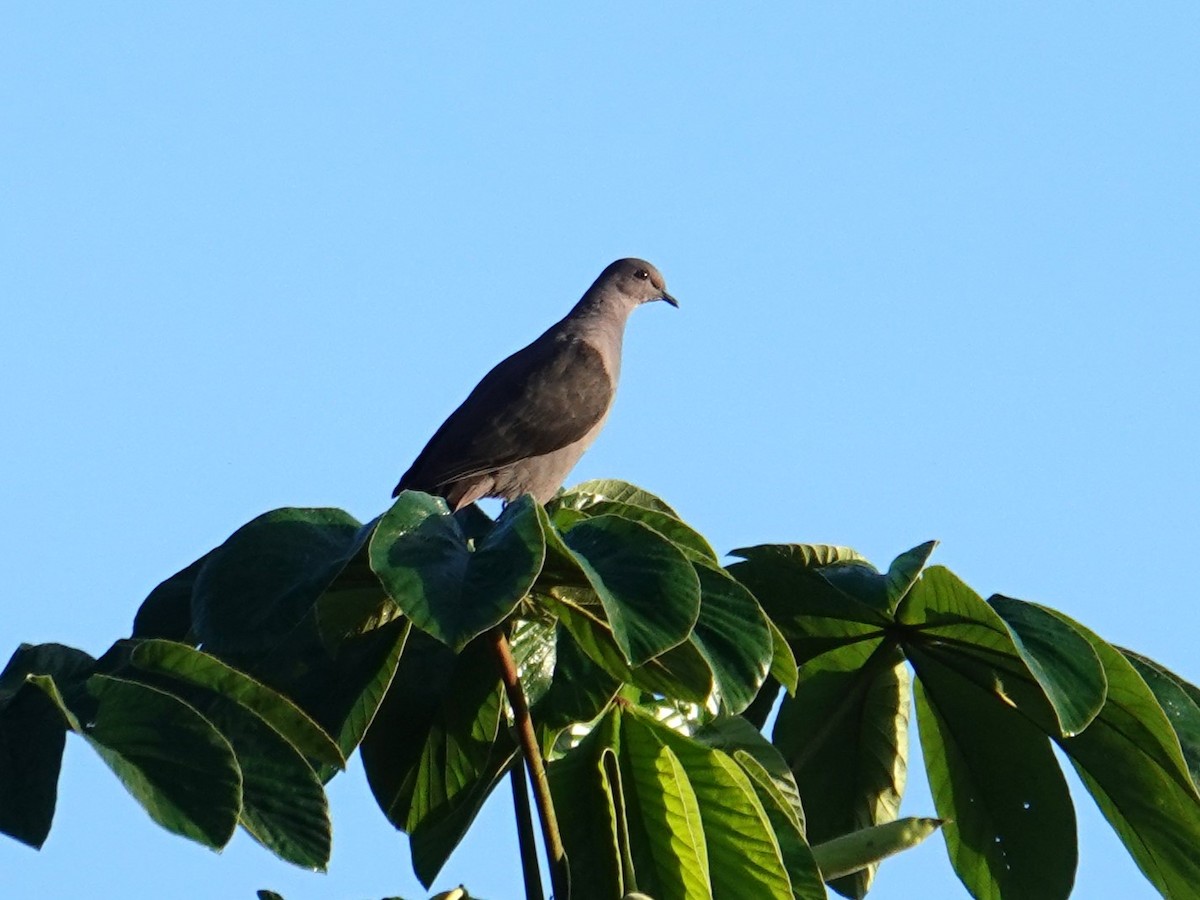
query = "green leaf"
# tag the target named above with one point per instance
(737, 737)
(681, 672)
(167, 611)
(194, 667)
(1011, 827)
(283, 803)
(744, 858)
(859, 580)
(355, 601)
(65, 663)
(669, 849)
(31, 747)
(258, 585)
(435, 751)
(870, 846)
(172, 760)
(814, 615)
(798, 859)
(444, 586)
(581, 496)
(942, 612)
(733, 636)
(650, 592)
(1060, 658)
(1129, 759)
(341, 692)
(532, 644)
(669, 526)
(1180, 700)
(783, 661)
(579, 689)
(585, 785)
(844, 735)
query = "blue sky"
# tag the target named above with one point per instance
(937, 264)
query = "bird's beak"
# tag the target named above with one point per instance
(669, 299)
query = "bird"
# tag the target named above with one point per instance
(526, 424)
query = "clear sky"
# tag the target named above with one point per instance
(938, 264)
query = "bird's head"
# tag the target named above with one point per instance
(635, 281)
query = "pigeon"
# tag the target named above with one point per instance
(526, 424)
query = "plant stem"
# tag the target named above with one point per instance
(560, 881)
(525, 837)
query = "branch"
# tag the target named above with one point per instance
(560, 880)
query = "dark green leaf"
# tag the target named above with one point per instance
(1060, 658)
(171, 759)
(447, 589)
(1179, 700)
(814, 615)
(678, 533)
(681, 672)
(579, 689)
(341, 692)
(732, 634)
(435, 751)
(650, 592)
(200, 669)
(860, 581)
(167, 611)
(1011, 827)
(257, 586)
(844, 735)
(65, 663)
(1055, 684)
(32, 735)
(1129, 758)
(284, 806)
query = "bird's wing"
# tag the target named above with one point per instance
(540, 399)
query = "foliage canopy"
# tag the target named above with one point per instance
(650, 671)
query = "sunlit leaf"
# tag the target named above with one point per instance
(446, 586)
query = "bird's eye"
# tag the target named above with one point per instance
(642, 273)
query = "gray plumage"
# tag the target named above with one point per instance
(529, 420)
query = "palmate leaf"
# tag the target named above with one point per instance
(283, 803)
(436, 749)
(255, 588)
(170, 758)
(845, 736)
(990, 765)
(1011, 827)
(1130, 760)
(179, 661)
(1180, 700)
(588, 493)
(813, 614)
(685, 820)
(1052, 659)
(447, 587)
(1060, 658)
(649, 590)
(32, 737)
